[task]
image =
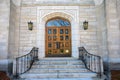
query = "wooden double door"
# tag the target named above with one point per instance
(58, 41)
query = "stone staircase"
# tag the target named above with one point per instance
(59, 69)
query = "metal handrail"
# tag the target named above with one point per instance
(92, 62)
(25, 62)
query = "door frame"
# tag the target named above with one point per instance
(58, 28)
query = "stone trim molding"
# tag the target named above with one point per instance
(57, 14)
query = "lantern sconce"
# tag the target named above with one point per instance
(85, 25)
(30, 25)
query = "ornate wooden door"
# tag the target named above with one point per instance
(58, 38)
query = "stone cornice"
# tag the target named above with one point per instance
(59, 3)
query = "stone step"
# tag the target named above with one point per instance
(59, 58)
(58, 70)
(58, 62)
(58, 66)
(58, 75)
(65, 79)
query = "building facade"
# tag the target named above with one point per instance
(101, 38)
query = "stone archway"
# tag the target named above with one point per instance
(53, 15)
(45, 14)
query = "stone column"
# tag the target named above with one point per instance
(14, 28)
(4, 30)
(102, 31)
(102, 37)
(113, 32)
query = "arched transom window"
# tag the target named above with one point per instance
(58, 22)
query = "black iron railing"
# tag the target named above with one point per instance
(92, 62)
(25, 62)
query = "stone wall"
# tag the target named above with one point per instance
(27, 37)
(101, 38)
(88, 38)
(32, 11)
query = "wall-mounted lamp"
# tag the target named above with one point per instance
(85, 25)
(30, 25)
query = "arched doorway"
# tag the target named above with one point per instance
(58, 38)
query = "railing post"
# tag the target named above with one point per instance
(36, 52)
(17, 68)
(80, 53)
